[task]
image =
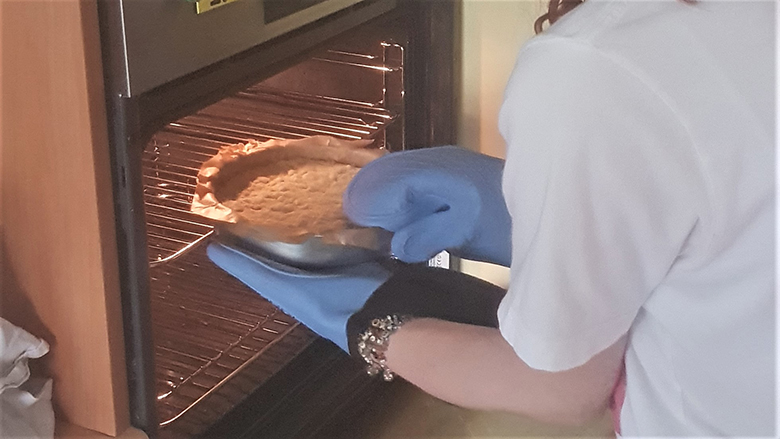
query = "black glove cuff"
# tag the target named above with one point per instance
(417, 291)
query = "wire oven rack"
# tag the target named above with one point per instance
(215, 340)
(174, 155)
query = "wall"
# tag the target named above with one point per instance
(59, 269)
(492, 33)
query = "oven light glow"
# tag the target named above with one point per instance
(357, 64)
(172, 386)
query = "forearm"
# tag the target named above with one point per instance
(473, 366)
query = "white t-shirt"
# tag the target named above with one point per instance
(640, 180)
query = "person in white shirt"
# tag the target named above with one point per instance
(640, 184)
(650, 209)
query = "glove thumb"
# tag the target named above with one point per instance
(447, 228)
(419, 241)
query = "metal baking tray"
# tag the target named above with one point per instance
(349, 246)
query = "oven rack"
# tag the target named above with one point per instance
(209, 332)
(173, 156)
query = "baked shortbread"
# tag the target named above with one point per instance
(290, 187)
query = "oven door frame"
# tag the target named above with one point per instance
(164, 40)
(431, 78)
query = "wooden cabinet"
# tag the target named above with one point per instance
(59, 259)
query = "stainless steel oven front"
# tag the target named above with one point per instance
(165, 40)
(205, 354)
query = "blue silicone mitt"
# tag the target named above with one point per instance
(323, 302)
(433, 199)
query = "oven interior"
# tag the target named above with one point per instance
(215, 341)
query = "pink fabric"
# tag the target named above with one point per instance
(618, 396)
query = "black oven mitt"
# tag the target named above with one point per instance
(340, 304)
(434, 199)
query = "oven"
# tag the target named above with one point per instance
(207, 356)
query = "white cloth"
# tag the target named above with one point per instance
(25, 404)
(640, 180)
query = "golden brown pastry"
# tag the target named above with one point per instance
(292, 187)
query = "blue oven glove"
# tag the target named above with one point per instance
(341, 304)
(323, 302)
(433, 199)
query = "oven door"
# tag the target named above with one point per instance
(165, 40)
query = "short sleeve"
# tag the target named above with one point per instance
(603, 188)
